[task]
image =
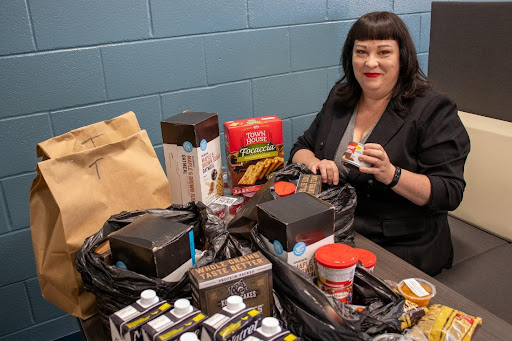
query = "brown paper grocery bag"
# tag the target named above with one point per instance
(73, 195)
(88, 137)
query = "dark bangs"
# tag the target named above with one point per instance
(376, 27)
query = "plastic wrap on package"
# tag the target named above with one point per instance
(342, 197)
(116, 288)
(306, 311)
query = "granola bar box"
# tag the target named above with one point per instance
(248, 276)
(254, 149)
(193, 160)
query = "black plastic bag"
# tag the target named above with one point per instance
(115, 288)
(306, 311)
(342, 197)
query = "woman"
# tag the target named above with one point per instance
(413, 139)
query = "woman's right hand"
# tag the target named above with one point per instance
(328, 170)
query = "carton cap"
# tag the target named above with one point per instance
(270, 326)
(189, 336)
(235, 303)
(182, 307)
(148, 297)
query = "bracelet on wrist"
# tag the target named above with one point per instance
(396, 177)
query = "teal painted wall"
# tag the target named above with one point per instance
(66, 64)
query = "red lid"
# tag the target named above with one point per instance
(367, 258)
(284, 188)
(336, 256)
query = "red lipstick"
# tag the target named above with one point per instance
(371, 75)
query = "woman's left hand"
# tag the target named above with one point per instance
(382, 168)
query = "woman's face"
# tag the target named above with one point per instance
(376, 65)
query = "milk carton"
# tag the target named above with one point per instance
(182, 319)
(270, 330)
(126, 323)
(234, 322)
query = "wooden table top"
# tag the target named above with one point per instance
(392, 268)
(395, 269)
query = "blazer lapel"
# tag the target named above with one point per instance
(339, 124)
(387, 126)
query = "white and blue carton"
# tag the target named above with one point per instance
(295, 226)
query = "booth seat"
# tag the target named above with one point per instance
(481, 226)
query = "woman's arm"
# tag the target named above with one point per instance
(412, 186)
(443, 146)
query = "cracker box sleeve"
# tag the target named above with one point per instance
(248, 276)
(254, 149)
(152, 245)
(192, 154)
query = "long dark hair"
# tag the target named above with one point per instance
(383, 26)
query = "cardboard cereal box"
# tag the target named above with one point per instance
(254, 149)
(192, 157)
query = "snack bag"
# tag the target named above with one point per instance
(254, 149)
(445, 323)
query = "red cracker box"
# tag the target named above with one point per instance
(254, 149)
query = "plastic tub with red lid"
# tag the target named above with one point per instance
(367, 259)
(336, 264)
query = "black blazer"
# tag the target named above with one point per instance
(428, 138)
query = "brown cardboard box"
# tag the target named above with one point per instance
(247, 276)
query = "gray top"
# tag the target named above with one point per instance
(348, 136)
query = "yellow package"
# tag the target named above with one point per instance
(444, 323)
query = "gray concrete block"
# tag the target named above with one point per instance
(44, 81)
(151, 67)
(15, 30)
(59, 24)
(18, 142)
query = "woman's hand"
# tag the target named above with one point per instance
(412, 186)
(382, 168)
(328, 170)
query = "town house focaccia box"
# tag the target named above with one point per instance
(192, 154)
(254, 149)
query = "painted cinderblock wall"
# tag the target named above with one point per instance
(66, 64)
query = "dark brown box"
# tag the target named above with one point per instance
(299, 217)
(294, 227)
(190, 126)
(152, 245)
(247, 276)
